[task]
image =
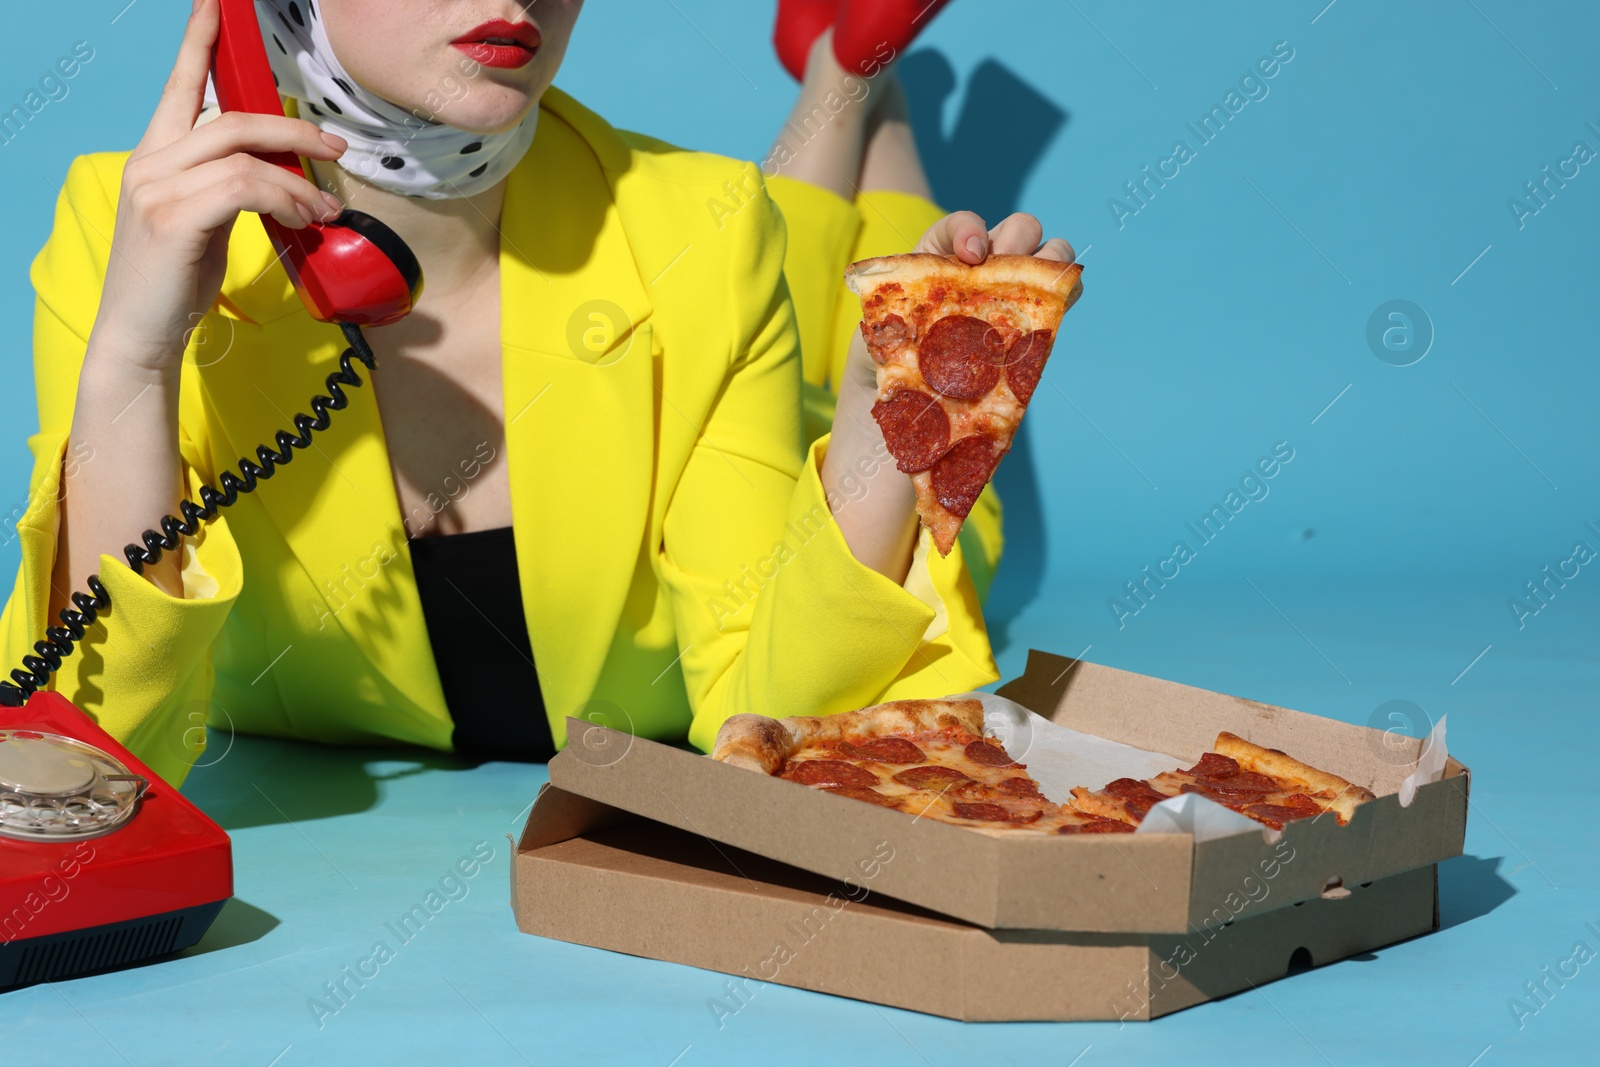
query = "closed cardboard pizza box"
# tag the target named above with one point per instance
(1145, 883)
(595, 875)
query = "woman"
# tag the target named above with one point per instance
(582, 450)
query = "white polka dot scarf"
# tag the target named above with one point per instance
(390, 147)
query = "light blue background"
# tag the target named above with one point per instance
(1224, 317)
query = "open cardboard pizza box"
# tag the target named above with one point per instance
(761, 863)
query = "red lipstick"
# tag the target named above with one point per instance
(499, 43)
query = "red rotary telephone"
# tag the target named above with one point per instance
(102, 863)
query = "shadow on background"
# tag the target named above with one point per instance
(1470, 887)
(261, 781)
(999, 137)
(238, 924)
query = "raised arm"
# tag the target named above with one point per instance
(182, 191)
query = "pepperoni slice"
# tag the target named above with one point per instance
(885, 750)
(1234, 800)
(960, 356)
(861, 792)
(1302, 803)
(1215, 765)
(983, 812)
(1020, 787)
(1139, 808)
(1137, 797)
(1274, 815)
(1231, 787)
(828, 772)
(931, 777)
(1025, 362)
(989, 754)
(1097, 825)
(1251, 780)
(1298, 806)
(915, 428)
(1133, 789)
(963, 471)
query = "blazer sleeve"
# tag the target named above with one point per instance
(773, 612)
(143, 670)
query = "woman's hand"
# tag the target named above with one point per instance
(962, 234)
(873, 503)
(182, 190)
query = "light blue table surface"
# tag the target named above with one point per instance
(331, 845)
(1232, 311)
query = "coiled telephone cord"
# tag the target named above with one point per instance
(61, 640)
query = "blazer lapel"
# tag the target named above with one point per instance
(580, 411)
(579, 388)
(335, 504)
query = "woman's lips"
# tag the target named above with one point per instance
(508, 56)
(500, 43)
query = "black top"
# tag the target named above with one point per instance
(473, 604)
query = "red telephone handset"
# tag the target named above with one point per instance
(353, 269)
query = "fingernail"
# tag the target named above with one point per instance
(333, 202)
(334, 141)
(975, 246)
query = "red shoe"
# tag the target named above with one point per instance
(800, 23)
(869, 34)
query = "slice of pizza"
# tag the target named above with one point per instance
(1263, 783)
(959, 350)
(928, 758)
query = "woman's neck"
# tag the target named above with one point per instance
(456, 240)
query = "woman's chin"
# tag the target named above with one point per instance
(489, 118)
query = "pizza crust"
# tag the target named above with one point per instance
(1336, 793)
(760, 743)
(754, 742)
(942, 526)
(1050, 275)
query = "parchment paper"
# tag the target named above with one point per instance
(1059, 758)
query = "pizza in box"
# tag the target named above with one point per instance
(932, 759)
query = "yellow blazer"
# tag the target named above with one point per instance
(678, 559)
